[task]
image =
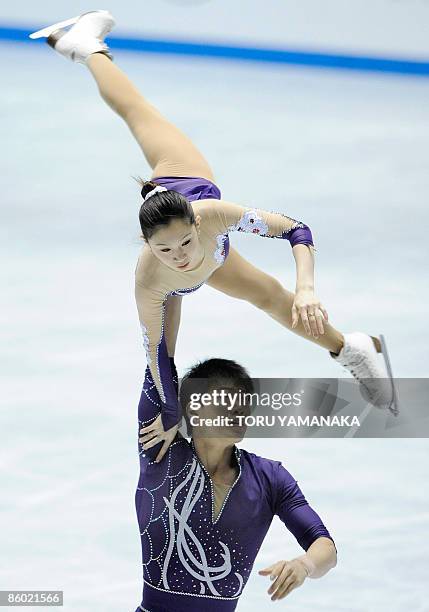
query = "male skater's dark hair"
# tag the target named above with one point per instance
(210, 372)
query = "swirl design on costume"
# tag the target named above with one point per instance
(197, 567)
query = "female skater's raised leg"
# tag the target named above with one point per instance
(167, 149)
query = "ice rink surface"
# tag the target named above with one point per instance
(345, 153)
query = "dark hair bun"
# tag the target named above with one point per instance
(161, 208)
(146, 187)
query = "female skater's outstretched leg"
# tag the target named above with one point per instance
(167, 149)
(240, 279)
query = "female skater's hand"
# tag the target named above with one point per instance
(305, 304)
(288, 576)
(154, 433)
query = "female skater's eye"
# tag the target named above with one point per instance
(187, 242)
(164, 250)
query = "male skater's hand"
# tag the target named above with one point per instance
(288, 574)
(154, 433)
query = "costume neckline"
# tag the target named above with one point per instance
(237, 454)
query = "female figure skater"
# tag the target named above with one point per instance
(186, 226)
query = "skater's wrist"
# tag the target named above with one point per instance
(304, 286)
(308, 564)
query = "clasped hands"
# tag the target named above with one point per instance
(311, 311)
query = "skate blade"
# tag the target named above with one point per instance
(394, 406)
(45, 32)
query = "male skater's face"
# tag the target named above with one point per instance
(221, 412)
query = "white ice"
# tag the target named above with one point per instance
(347, 154)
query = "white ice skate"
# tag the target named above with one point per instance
(86, 35)
(360, 357)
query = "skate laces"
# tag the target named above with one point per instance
(361, 367)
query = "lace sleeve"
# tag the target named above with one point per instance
(234, 217)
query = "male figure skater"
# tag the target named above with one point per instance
(204, 506)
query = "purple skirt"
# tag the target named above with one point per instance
(191, 187)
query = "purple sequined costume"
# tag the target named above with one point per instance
(191, 561)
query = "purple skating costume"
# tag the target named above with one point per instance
(193, 561)
(156, 281)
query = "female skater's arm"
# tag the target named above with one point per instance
(149, 415)
(151, 309)
(228, 216)
(304, 290)
(234, 217)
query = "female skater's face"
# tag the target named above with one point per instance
(177, 244)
